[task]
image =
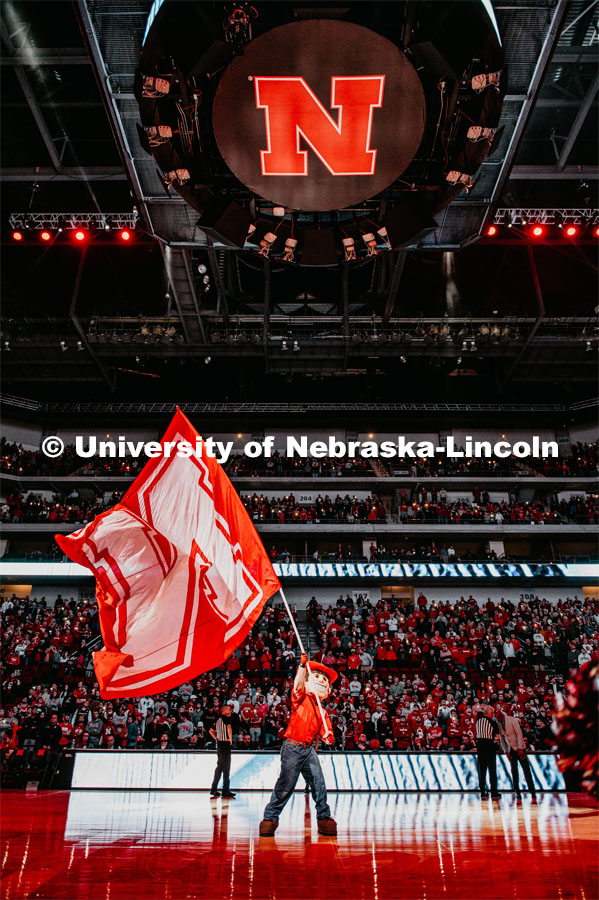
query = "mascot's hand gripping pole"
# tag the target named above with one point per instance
(327, 730)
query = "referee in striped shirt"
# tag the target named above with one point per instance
(223, 735)
(486, 729)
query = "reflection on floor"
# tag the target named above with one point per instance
(173, 845)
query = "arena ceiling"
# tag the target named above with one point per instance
(520, 318)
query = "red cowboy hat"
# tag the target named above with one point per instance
(319, 667)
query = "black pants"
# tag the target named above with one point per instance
(514, 760)
(223, 765)
(486, 761)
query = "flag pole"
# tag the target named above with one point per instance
(327, 731)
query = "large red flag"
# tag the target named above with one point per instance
(181, 573)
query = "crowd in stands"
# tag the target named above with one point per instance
(16, 460)
(74, 509)
(324, 509)
(583, 462)
(413, 676)
(310, 467)
(379, 553)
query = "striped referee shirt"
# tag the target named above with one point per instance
(222, 730)
(486, 729)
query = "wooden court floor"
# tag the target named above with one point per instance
(174, 845)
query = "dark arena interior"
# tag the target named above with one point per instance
(354, 247)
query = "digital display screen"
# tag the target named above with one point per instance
(172, 770)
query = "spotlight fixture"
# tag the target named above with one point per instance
(459, 361)
(284, 344)
(370, 241)
(178, 176)
(266, 243)
(478, 133)
(155, 87)
(538, 231)
(80, 236)
(485, 80)
(125, 235)
(80, 346)
(202, 269)
(589, 347)
(455, 177)
(296, 346)
(571, 231)
(403, 359)
(7, 345)
(206, 279)
(63, 346)
(45, 236)
(491, 230)
(290, 245)
(383, 234)
(207, 360)
(17, 236)
(473, 347)
(349, 248)
(159, 134)
(464, 345)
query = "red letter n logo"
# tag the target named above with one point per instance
(294, 113)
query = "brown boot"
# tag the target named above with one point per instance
(268, 827)
(327, 826)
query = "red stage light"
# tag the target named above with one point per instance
(125, 235)
(492, 230)
(538, 231)
(571, 231)
(597, 231)
(80, 235)
(17, 236)
(45, 236)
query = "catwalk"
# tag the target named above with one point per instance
(126, 845)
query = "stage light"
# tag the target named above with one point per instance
(266, 243)
(17, 236)
(589, 347)
(296, 346)
(459, 360)
(206, 279)
(571, 231)
(155, 87)
(125, 235)
(80, 236)
(491, 231)
(283, 344)
(290, 245)
(538, 231)
(370, 241)
(487, 79)
(202, 269)
(349, 248)
(45, 236)
(63, 346)
(80, 346)
(597, 231)
(7, 345)
(207, 360)
(456, 177)
(403, 359)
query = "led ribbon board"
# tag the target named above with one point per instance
(319, 114)
(439, 571)
(166, 770)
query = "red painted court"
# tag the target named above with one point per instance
(176, 845)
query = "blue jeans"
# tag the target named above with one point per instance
(296, 761)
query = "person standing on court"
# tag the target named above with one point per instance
(222, 733)
(512, 743)
(486, 730)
